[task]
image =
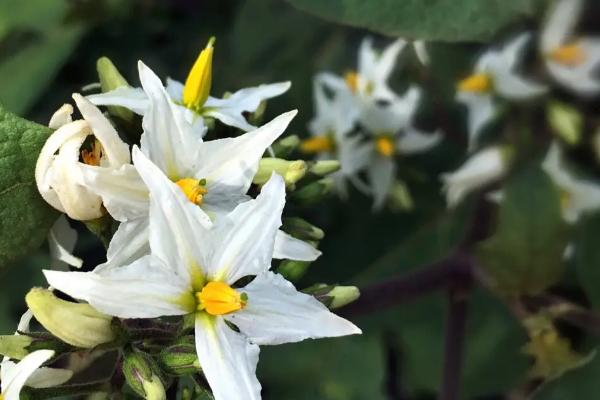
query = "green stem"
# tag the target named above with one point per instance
(61, 391)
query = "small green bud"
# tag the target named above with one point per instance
(399, 197)
(566, 122)
(142, 375)
(257, 116)
(324, 167)
(284, 147)
(180, 358)
(291, 171)
(333, 296)
(314, 192)
(111, 79)
(77, 324)
(293, 270)
(14, 346)
(301, 229)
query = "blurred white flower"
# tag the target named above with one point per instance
(13, 376)
(192, 99)
(572, 61)
(577, 196)
(481, 169)
(191, 270)
(495, 75)
(58, 168)
(421, 52)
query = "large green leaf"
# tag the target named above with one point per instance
(587, 257)
(525, 254)
(25, 218)
(439, 20)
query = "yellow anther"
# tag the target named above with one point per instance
(385, 146)
(565, 199)
(570, 55)
(352, 78)
(317, 144)
(218, 298)
(92, 157)
(476, 83)
(198, 82)
(193, 189)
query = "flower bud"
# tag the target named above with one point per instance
(14, 346)
(301, 229)
(333, 296)
(284, 147)
(291, 171)
(324, 167)
(180, 358)
(566, 122)
(314, 192)
(141, 374)
(198, 83)
(77, 324)
(399, 197)
(293, 270)
(111, 79)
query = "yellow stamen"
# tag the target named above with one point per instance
(198, 82)
(194, 189)
(351, 78)
(565, 199)
(92, 157)
(317, 144)
(385, 146)
(570, 55)
(476, 83)
(218, 298)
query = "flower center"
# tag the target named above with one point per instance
(476, 83)
(92, 157)
(218, 298)
(351, 78)
(570, 55)
(317, 144)
(198, 82)
(565, 199)
(194, 189)
(385, 146)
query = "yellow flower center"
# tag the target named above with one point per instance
(317, 144)
(194, 189)
(198, 82)
(218, 298)
(565, 199)
(92, 157)
(351, 78)
(385, 146)
(476, 83)
(570, 55)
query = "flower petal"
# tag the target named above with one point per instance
(288, 247)
(481, 111)
(129, 243)
(61, 241)
(413, 141)
(560, 23)
(14, 376)
(133, 99)
(381, 172)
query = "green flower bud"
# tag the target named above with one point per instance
(333, 296)
(111, 79)
(77, 324)
(143, 376)
(301, 229)
(14, 346)
(566, 122)
(180, 358)
(314, 192)
(325, 167)
(293, 270)
(291, 171)
(399, 197)
(284, 147)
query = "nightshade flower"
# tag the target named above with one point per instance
(215, 175)
(572, 61)
(193, 98)
(195, 270)
(14, 376)
(495, 74)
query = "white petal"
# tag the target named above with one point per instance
(381, 172)
(386, 61)
(337, 114)
(175, 89)
(354, 154)
(288, 247)
(421, 52)
(514, 87)
(61, 241)
(229, 164)
(15, 378)
(48, 377)
(245, 238)
(581, 79)
(129, 243)
(333, 82)
(560, 23)
(145, 289)
(61, 117)
(230, 110)
(277, 313)
(512, 52)
(413, 141)
(228, 360)
(481, 111)
(133, 99)
(393, 116)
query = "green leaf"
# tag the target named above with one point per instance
(25, 218)
(436, 20)
(525, 254)
(587, 257)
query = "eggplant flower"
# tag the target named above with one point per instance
(214, 175)
(58, 168)
(197, 270)
(577, 196)
(193, 98)
(13, 376)
(495, 75)
(572, 61)
(391, 131)
(478, 171)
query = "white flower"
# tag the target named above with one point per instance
(572, 61)
(391, 132)
(576, 196)
(192, 270)
(193, 100)
(215, 175)
(14, 376)
(495, 74)
(58, 169)
(481, 169)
